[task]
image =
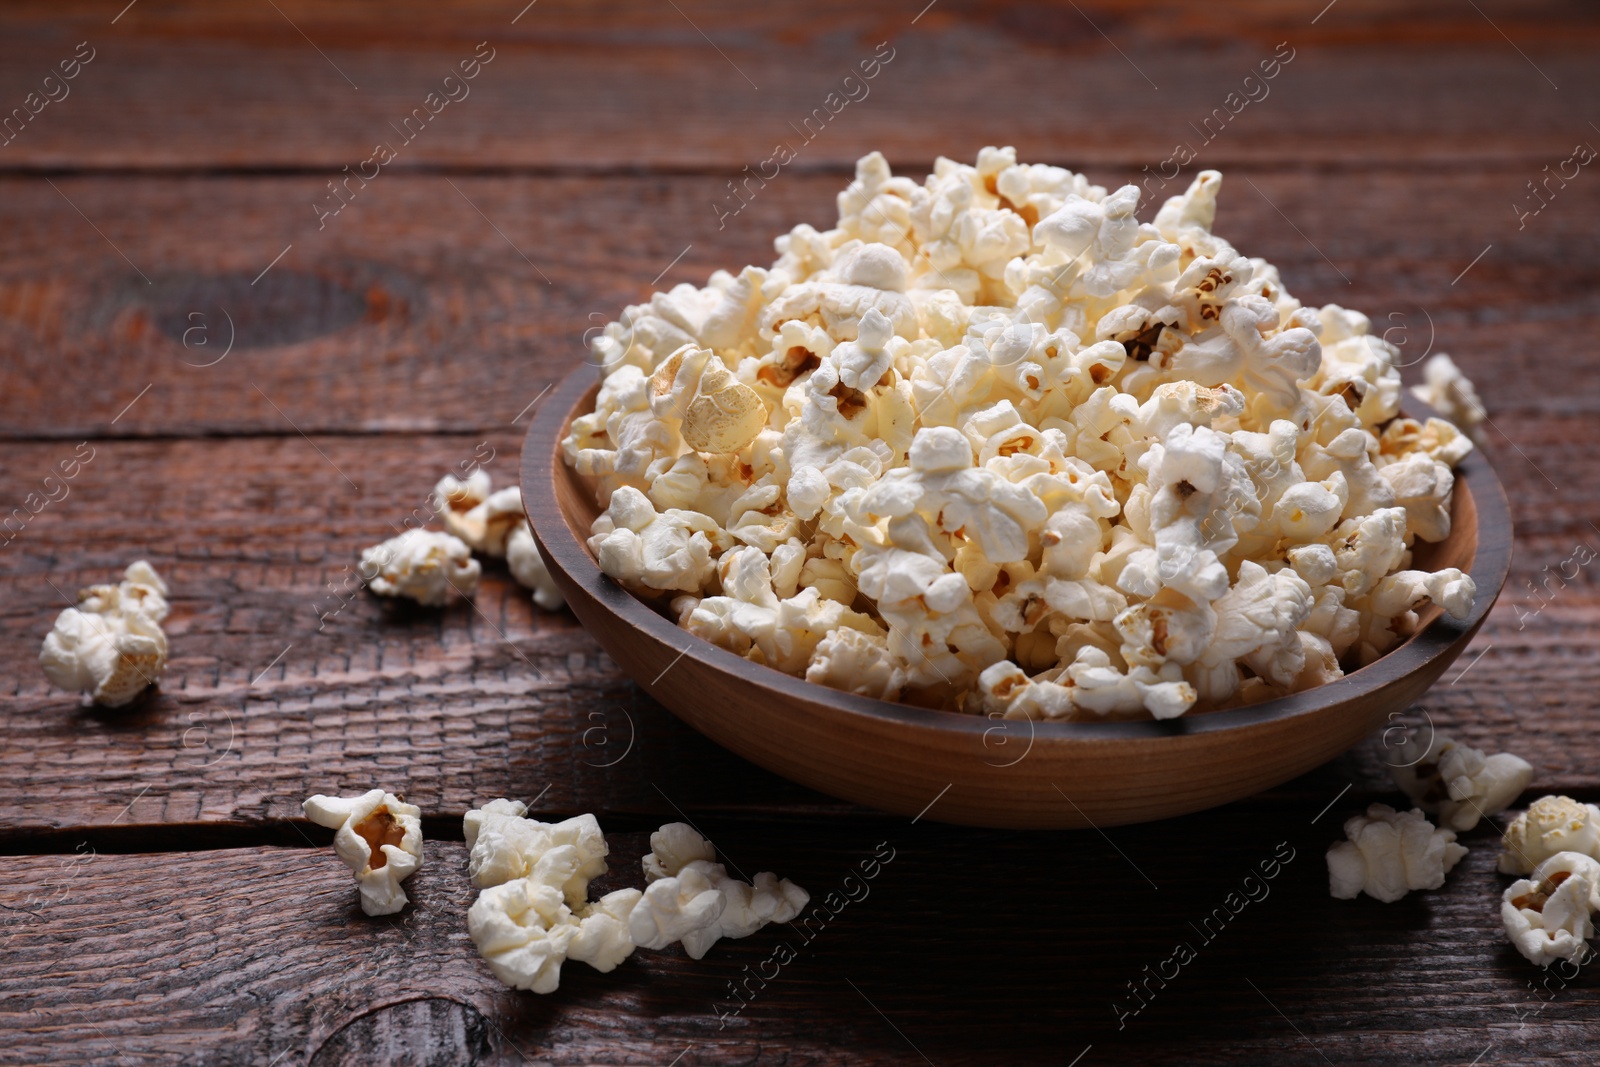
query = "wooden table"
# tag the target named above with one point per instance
(162, 900)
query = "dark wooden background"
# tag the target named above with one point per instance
(161, 900)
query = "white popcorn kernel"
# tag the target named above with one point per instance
(867, 277)
(717, 413)
(422, 565)
(1005, 690)
(1103, 689)
(604, 938)
(1551, 824)
(1457, 782)
(1390, 853)
(675, 906)
(1422, 486)
(480, 518)
(533, 913)
(379, 837)
(524, 931)
(111, 646)
(749, 907)
(673, 846)
(693, 900)
(856, 662)
(1405, 591)
(660, 551)
(1437, 439)
(1549, 915)
(1450, 393)
(504, 845)
(527, 567)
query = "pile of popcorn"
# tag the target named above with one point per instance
(992, 444)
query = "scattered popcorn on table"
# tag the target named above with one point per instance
(502, 845)
(675, 907)
(423, 565)
(992, 444)
(1550, 825)
(527, 567)
(379, 837)
(693, 900)
(534, 912)
(673, 847)
(493, 524)
(1549, 915)
(1390, 853)
(1449, 392)
(111, 646)
(479, 517)
(1459, 784)
(524, 929)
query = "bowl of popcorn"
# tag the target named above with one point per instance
(996, 502)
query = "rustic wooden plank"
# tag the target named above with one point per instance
(716, 85)
(251, 954)
(279, 655)
(409, 312)
(260, 707)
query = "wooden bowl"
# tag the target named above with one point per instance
(988, 772)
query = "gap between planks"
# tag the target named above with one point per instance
(170, 838)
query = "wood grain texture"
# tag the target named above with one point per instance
(206, 929)
(716, 85)
(243, 955)
(410, 313)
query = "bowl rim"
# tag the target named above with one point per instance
(1491, 566)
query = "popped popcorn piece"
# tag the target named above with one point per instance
(524, 931)
(379, 837)
(1551, 824)
(749, 907)
(1390, 853)
(527, 567)
(991, 407)
(422, 565)
(141, 592)
(1006, 690)
(604, 938)
(717, 413)
(694, 900)
(1437, 439)
(657, 551)
(111, 646)
(1405, 591)
(676, 906)
(1422, 485)
(503, 845)
(1458, 782)
(1549, 915)
(856, 662)
(1105, 690)
(481, 518)
(672, 847)
(533, 913)
(1451, 394)
(493, 524)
